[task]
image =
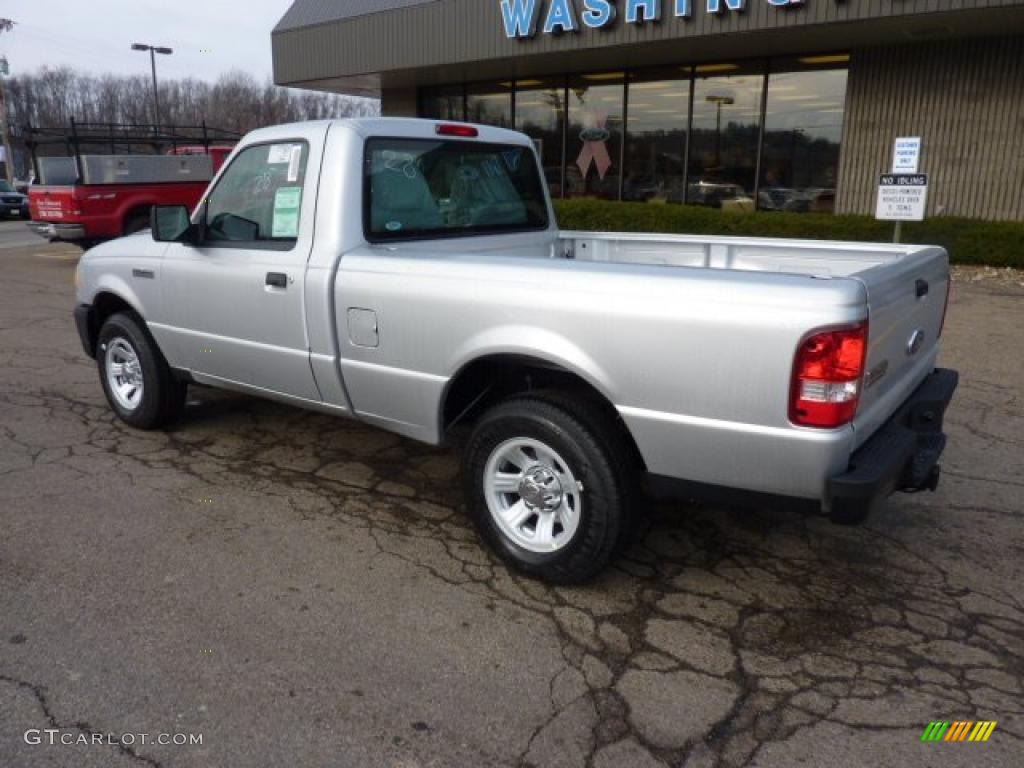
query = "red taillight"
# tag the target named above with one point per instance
(827, 377)
(454, 129)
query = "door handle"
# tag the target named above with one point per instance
(921, 288)
(277, 279)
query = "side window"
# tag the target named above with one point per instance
(258, 199)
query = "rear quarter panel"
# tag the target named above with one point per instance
(698, 364)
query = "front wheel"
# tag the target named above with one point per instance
(550, 485)
(137, 381)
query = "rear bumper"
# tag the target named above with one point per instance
(52, 231)
(901, 456)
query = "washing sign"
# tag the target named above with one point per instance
(906, 155)
(902, 197)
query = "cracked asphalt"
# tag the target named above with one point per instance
(305, 591)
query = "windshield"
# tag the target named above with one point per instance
(435, 188)
(5, 186)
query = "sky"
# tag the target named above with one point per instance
(95, 36)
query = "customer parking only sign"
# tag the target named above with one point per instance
(902, 196)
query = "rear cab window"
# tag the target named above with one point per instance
(433, 188)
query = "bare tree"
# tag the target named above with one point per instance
(238, 102)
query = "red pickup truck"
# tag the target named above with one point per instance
(88, 198)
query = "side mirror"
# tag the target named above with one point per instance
(170, 223)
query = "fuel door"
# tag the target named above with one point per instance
(362, 327)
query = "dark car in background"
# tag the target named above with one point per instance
(12, 202)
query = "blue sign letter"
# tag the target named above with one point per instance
(598, 13)
(683, 9)
(560, 17)
(715, 6)
(784, 3)
(651, 10)
(520, 17)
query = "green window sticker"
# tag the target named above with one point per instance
(287, 201)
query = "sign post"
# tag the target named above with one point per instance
(903, 194)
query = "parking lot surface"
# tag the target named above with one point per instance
(305, 591)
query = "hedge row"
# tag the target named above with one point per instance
(968, 241)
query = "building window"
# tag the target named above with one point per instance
(737, 136)
(593, 146)
(725, 135)
(656, 136)
(447, 102)
(803, 130)
(489, 104)
(540, 114)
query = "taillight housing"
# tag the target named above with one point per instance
(457, 129)
(828, 375)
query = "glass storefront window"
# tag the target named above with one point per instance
(725, 135)
(664, 154)
(444, 103)
(803, 130)
(657, 120)
(540, 114)
(489, 103)
(594, 137)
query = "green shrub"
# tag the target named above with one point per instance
(968, 241)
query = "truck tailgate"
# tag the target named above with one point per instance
(53, 204)
(906, 306)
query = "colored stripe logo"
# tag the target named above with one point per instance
(959, 730)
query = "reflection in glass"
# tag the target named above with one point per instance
(443, 103)
(594, 137)
(540, 114)
(489, 104)
(724, 141)
(803, 129)
(659, 108)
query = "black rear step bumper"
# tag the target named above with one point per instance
(902, 456)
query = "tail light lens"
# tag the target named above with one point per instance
(828, 376)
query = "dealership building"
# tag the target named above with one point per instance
(776, 104)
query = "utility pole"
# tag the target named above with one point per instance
(153, 51)
(6, 25)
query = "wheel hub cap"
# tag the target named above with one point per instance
(541, 489)
(124, 373)
(532, 495)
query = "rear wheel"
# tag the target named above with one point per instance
(137, 222)
(551, 485)
(136, 379)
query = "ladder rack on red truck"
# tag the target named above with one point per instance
(97, 181)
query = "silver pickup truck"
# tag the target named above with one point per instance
(410, 274)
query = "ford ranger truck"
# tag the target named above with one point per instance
(410, 274)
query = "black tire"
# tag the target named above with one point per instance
(163, 396)
(25, 215)
(596, 450)
(136, 223)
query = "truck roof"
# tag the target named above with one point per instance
(393, 127)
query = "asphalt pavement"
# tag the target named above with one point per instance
(15, 234)
(299, 590)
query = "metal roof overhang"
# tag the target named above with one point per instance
(403, 43)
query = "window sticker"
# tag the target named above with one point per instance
(393, 226)
(279, 154)
(287, 201)
(293, 163)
